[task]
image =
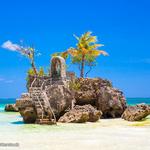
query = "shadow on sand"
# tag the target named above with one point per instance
(17, 122)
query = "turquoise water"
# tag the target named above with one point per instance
(3, 102)
(134, 101)
(130, 101)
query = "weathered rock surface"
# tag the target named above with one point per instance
(28, 114)
(96, 92)
(136, 113)
(99, 93)
(51, 96)
(60, 98)
(26, 108)
(11, 107)
(80, 114)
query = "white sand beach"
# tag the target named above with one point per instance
(106, 134)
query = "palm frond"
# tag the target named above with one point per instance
(87, 34)
(76, 37)
(96, 53)
(94, 46)
(73, 52)
(64, 54)
(91, 39)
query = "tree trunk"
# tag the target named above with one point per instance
(82, 67)
(34, 68)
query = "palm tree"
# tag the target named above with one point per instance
(85, 51)
(30, 53)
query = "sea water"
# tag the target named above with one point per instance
(134, 101)
(130, 101)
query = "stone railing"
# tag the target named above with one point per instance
(47, 80)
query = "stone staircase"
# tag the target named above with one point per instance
(44, 111)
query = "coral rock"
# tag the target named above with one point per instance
(26, 109)
(80, 114)
(100, 93)
(28, 114)
(11, 107)
(136, 113)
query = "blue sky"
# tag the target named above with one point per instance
(121, 25)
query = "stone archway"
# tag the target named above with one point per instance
(58, 68)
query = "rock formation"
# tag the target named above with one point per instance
(101, 94)
(136, 113)
(11, 108)
(26, 108)
(49, 97)
(56, 97)
(80, 114)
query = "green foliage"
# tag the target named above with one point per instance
(41, 72)
(31, 72)
(85, 52)
(74, 86)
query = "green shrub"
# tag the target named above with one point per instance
(74, 86)
(41, 72)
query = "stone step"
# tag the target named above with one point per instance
(38, 106)
(44, 117)
(35, 87)
(35, 90)
(37, 99)
(45, 121)
(35, 94)
(37, 103)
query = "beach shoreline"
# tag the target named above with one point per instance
(108, 134)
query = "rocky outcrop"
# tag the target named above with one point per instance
(96, 92)
(28, 114)
(11, 108)
(60, 98)
(80, 114)
(51, 96)
(100, 94)
(26, 108)
(136, 113)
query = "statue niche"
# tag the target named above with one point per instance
(58, 68)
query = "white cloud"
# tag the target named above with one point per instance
(10, 46)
